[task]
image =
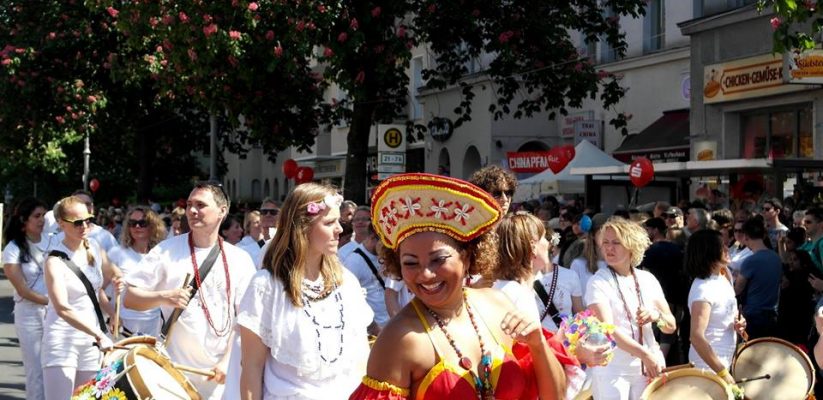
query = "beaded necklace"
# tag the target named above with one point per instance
(338, 300)
(483, 385)
(314, 291)
(626, 308)
(226, 328)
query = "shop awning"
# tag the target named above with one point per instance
(666, 139)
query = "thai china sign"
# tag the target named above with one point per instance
(746, 78)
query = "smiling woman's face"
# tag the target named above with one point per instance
(433, 267)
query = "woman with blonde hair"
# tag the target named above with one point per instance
(143, 230)
(74, 321)
(632, 300)
(591, 261)
(253, 240)
(303, 318)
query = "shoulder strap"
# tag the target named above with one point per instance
(426, 326)
(546, 298)
(203, 271)
(89, 289)
(371, 266)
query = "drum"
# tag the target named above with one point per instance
(792, 373)
(118, 352)
(688, 383)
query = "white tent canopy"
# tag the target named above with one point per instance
(547, 182)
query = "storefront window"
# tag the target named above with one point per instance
(779, 133)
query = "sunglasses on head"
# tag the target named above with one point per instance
(269, 211)
(80, 221)
(500, 193)
(138, 223)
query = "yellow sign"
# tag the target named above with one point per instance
(746, 78)
(805, 67)
(393, 138)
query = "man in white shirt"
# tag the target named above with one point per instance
(269, 212)
(360, 224)
(364, 264)
(203, 335)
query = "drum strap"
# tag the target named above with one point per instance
(89, 289)
(546, 298)
(203, 271)
(371, 267)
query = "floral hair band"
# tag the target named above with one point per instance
(554, 239)
(332, 200)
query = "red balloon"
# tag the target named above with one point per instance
(641, 172)
(558, 159)
(570, 152)
(290, 168)
(94, 185)
(304, 174)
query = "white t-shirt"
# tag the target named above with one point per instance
(33, 269)
(719, 293)
(128, 261)
(737, 256)
(375, 294)
(521, 295)
(583, 274)
(252, 247)
(193, 342)
(404, 295)
(318, 351)
(568, 286)
(345, 250)
(602, 289)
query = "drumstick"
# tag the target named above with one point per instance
(754, 378)
(676, 367)
(116, 333)
(177, 311)
(198, 371)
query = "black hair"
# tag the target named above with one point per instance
(703, 250)
(816, 213)
(227, 223)
(754, 228)
(15, 228)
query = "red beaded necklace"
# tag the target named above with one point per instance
(483, 385)
(226, 328)
(626, 307)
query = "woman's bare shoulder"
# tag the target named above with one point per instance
(401, 350)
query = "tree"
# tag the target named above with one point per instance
(265, 64)
(795, 23)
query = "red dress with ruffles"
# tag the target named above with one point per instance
(512, 375)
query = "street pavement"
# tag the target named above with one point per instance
(12, 375)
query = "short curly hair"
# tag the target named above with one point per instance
(492, 178)
(631, 234)
(482, 250)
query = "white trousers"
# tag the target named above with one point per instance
(60, 381)
(28, 324)
(607, 386)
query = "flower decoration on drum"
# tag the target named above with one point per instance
(584, 327)
(332, 200)
(102, 385)
(406, 204)
(737, 391)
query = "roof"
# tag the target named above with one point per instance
(668, 132)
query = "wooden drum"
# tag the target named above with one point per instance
(792, 373)
(688, 383)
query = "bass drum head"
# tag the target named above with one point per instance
(687, 384)
(152, 376)
(129, 342)
(792, 374)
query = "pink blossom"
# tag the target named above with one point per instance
(207, 18)
(112, 11)
(313, 208)
(327, 52)
(183, 17)
(253, 6)
(775, 22)
(235, 35)
(401, 31)
(192, 54)
(375, 12)
(60, 120)
(153, 21)
(278, 51)
(210, 29)
(52, 35)
(353, 24)
(91, 99)
(342, 37)
(361, 76)
(6, 61)
(168, 20)
(809, 4)
(270, 35)
(505, 36)
(321, 8)
(233, 61)
(602, 74)
(300, 26)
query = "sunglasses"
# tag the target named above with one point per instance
(138, 223)
(670, 215)
(269, 211)
(80, 221)
(499, 193)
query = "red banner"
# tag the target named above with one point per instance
(528, 161)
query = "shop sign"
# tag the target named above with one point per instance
(567, 123)
(705, 150)
(669, 155)
(441, 129)
(741, 79)
(805, 67)
(528, 161)
(591, 130)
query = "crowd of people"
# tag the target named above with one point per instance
(441, 288)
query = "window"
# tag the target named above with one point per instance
(415, 83)
(607, 52)
(654, 26)
(704, 8)
(342, 98)
(782, 133)
(588, 48)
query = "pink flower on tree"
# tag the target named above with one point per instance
(361, 76)
(270, 35)
(353, 24)
(401, 31)
(210, 29)
(91, 99)
(278, 51)
(775, 22)
(342, 37)
(505, 37)
(253, 6)
(112, 11)
(183, 17)
(235, 35)
(328, 53)
(375, 12)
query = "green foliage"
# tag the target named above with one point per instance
(795, 23)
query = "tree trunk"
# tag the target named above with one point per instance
(358, 151)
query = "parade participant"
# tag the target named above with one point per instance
(630, 299)
(144, 230)
(360, 226)
(770, 210)
(759, 282)
(451, 342)
(253, 240)
(23, 257)
(591, 261)
(96, 232)
(498, 182)
(304, 317)
(179, 225)
(202, 337)
(230, 230)
(268, 218)
(712, 303)
(527, 276)
(365, 265)
(74, 320)
(813, 222)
